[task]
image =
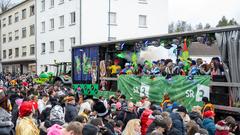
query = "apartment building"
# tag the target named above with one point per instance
(62, 24)
(18, 38)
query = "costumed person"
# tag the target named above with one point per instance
(166, 100)
(224, 127)
(147, 67)
(208, 122)
(127, 70)
(26, 124)
(115, 69)
(155, 69)
(193, 69)
(207, 105)
(103, 72)
(6, 125)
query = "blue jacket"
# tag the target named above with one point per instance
(209, 125)
(178, 123)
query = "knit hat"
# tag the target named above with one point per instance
(55, 130)
(208, 114)
(101, 109)
(25, 109)
(182, 109)
(57, 113)
(90, 129)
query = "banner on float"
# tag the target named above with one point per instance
(186, 92)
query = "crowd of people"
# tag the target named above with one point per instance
(166, 67)
(31, 109)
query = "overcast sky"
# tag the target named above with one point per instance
(211, 11)
(205, 11)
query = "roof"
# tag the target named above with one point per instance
(19, 4)
(198, 49)
(167, 36)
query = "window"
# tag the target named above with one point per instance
(73, 41)
(4, 38)
(9, 20)
(10, 53)
(51, 24)
(24, 32)
(51, 3)
(16, 34)
(32, 30)
(4, 22)
(16, 17)
(51, 46)
(24, 51)
(16, 52)
(61, 1)
(24, 14)
(32, 10)
(9, 36)
(61, 18)
(43, 48)
(73, 18)
(32, 50)
(61, 49)
(4, 54)
(113, 18)
(43, 5)
(43, 26)
(142, 21)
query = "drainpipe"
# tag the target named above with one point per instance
(109, 26)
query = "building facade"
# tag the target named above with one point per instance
(62, 24)
(18, 38)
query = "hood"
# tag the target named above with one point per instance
(194, 115)
(176, 116)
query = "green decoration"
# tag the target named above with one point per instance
(43, 75)
(87, 89)
(121, 55)
(134, 60)
(186, 92)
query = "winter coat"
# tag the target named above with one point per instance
(5, 121)
(15, 114)
(125, 116)
(208, 124)
(178, 123)
(150, 120)
(26, 126)
(197, 118)
(49, 123)
(144, 119)
(173, 131)
(222, 128)
(71, 112)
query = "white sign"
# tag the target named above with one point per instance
(202, 91)
(144, 90)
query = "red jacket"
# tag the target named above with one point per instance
(144, 120)
(222, 128)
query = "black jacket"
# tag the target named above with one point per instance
(178, 123)
(71, 112)
(125, 116)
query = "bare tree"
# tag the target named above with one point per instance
(5, 4)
